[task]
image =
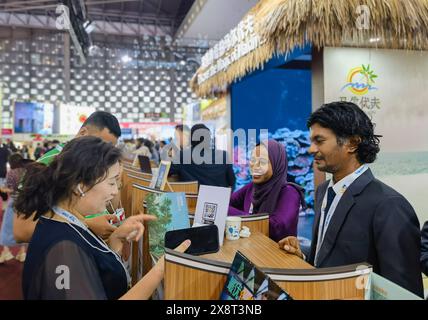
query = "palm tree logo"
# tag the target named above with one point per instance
(360, 80)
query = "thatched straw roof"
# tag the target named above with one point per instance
(245, 65)
(286, 24)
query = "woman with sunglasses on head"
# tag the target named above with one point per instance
(65, 259)
(270, 192)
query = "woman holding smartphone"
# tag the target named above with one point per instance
(65, 259)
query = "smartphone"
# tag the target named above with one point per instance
(204, 239)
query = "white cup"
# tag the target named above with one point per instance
(233, 227)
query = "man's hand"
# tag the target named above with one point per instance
(101, 225)
(291, 245)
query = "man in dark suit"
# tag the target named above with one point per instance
(424, 248)
(357, 217)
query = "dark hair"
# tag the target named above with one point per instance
(182, 128)
(197, 127)
(139, 142)
(15, 161)
(346, 120)
(83, 160)
(103, 119)
(149, 144)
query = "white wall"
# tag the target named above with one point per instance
(402, 116)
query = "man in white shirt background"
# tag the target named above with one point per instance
(357, 217)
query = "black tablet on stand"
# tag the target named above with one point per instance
(145, 164)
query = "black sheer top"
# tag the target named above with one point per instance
(66, 263)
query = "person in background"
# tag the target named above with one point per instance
(128, 149)
(207, 165)
(162, 145)
(182, 136)
(4, 155)
(357, 217)
(46, 146)
(180, 142)
(153, 151)
(11, 146)
(141, 150)
(14, 175)
(269, 192)
(25, 152)
(52, 145)
(38, 152)
(30, 147)
(99, 124)
(19, 149)
(78, 182)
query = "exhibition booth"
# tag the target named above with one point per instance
(285, 55)
(283, 60)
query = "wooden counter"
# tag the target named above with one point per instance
(203, 277)
(261, 250)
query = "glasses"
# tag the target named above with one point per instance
(261, 161)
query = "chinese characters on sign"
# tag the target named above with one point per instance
(236, 44)
(367, 104)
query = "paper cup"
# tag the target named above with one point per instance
(233, 227)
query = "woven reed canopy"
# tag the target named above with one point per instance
(283, 25)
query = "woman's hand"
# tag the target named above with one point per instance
(101, 225)
(132, 229)
(148, 284)
(160, 265)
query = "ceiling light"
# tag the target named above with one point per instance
(126, 58)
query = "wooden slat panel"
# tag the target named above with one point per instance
(184, 283)
(194, 281)
(137, 200)
(138, 197)
(127, 162)
(187, 187)
(261, 226)
(191, 200)
(342, 289)
(138, 173)
(126, 192)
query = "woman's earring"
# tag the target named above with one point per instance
(82, 194)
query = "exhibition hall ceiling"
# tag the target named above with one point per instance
(159, 12)
(182, 19)
(212, 19)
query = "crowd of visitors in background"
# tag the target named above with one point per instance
(151, 148)
(60, 204)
